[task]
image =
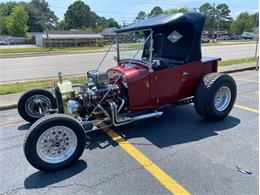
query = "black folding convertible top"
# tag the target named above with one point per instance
(189, 25)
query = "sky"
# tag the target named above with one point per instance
(126, 10)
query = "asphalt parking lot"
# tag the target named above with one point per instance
(178, 152)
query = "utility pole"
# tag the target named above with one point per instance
(257, 42)
(257, 57)
(214, 29)
(257, 37)
(46, 31)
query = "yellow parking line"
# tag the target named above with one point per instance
(252, 81)
(152, 168)
(246, 108)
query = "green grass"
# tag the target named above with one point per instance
(228, 42)
(56, 49)
(237, 61)
(17, 87)
(8, 88)
(242, 41)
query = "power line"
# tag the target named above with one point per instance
(131, 15)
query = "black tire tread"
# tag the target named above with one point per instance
(40, 122)
(28, 94)
(201, 99)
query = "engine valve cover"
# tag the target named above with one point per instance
(100, 79)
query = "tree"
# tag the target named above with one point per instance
(78, 15)
(36, 21)
(210, 17)
(156, 11)
(112, 23)
(244, 22)
(17, 21)
(40, 15)
(223, 15)
(255, 19)
(3, 21)
(216, 16)
(61, 25)
(173, 11)
(6, 8)
(206, 8)
(141, 16)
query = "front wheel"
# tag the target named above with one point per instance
(215, 96)
(54, 142)
(30, 103)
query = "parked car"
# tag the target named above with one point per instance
(170, 71)
(248, 36)
(225, 37)
(3, 42)
(205, 39)
(235, 37)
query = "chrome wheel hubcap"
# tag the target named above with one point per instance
(32, 107)
(56, 144)
(222, 98)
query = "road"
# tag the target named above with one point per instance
(201, 157)
(13, 69)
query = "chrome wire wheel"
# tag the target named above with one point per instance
(32, 105)
(56, 144)
(222, 98)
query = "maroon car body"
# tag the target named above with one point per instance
(150, 90)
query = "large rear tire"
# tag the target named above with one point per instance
(27, 106)
(54, 142)
(215, 96)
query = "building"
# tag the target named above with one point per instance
(110, 36)
(68, 39)
(213, 34)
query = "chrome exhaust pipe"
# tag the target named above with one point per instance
(145, 116)
(117, 121)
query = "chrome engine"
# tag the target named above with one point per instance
(93, 95)
(96, 99)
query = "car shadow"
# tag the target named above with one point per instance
(41, 179)
(176, 126)
(24, 126)
(98, 139)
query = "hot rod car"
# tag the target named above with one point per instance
(170, 71)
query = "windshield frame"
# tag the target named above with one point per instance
(149, 37)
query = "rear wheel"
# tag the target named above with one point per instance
(28, 104)
(54, 142)
(215, 96)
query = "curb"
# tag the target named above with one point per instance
(239, 70)
(12, 106)
(8, 107)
